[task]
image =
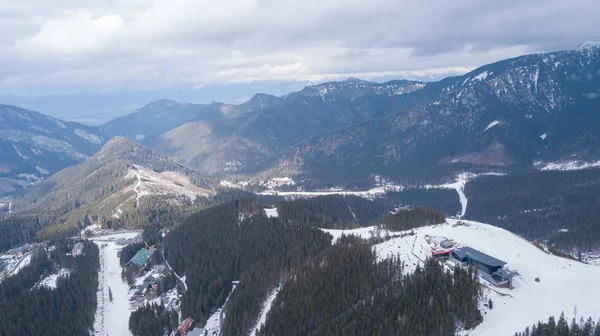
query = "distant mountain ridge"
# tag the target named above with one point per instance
(533, 108)
(34, 146)
(99, 108)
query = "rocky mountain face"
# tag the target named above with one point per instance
(219, 138)
(540, 107)
(34, 146)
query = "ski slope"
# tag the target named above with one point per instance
(112, 317)
(566, 286)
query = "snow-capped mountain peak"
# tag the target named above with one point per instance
(589, 45)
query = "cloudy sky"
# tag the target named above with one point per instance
(75, 45)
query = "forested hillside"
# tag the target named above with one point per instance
(562, 327)
(334, 211)
(446, 200)
(346, 292)
(560, 206)
(411, 219)
(236, 241)
(67, 310)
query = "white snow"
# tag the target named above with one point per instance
(150, 182)
(567, 165)
(21, 264)
(459, 186)
(214, 322)
(271, 212)
(139, 137)
(492, 124)
(51, 280)
(565, 285)
(112, 318)
(42, 170)
(481, 76)
(264, 311)
(543, 136)
(367, 193)
(88, 136)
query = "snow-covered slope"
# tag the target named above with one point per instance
(150, 182)
(112, 316)
(566, 286)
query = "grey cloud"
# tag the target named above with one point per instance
(165, 42)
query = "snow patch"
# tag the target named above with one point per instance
(93, 138)
(51, 281)
(271, 212)
(543, 136)
(492, 124)
(482, 76)
(42, 170)
(567, 165)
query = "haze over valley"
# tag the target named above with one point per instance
(279, 168)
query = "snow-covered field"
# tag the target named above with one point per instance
(112, 317)
(566, 286)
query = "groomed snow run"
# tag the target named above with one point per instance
(459, 186)
(264, 311)
(112, 317)
(214, 322)
(565, 285)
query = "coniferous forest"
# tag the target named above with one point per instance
(560, 206)
(236, 242)
(562, 327)
(411, 219)
(345, 291)
(67, 310)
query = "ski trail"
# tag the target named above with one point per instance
(266, 307)
(459, 186)
(137, 186)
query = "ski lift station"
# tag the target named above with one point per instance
(489, 268)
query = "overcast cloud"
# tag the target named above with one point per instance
(79, 45)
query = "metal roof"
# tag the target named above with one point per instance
(140, 258)
(478, 256)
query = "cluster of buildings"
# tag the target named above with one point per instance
(488, 267)
(153, 283)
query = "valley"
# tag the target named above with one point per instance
(463, 205)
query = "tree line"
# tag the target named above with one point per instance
(236, 242)
(345, 291)
(562, 327)
(539, 205)
(67, 310)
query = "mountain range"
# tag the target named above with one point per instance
(34, 146)
(95, 108)
(516, 112)
(513, 113)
